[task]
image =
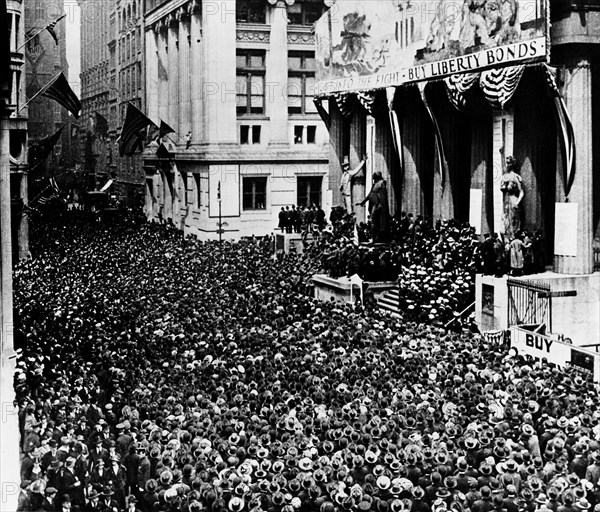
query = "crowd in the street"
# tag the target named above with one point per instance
(158, 373)
(299, 219)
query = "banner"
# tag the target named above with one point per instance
(370, 45)
(557, 352)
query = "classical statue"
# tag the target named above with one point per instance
(346, 182)
(512, 196)
(378, 208)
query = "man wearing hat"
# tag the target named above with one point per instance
(65, 502)
(97, 452)
(93, 501)
(107, 502)
(346, 181)
(124, 438)
(49, 502)
(378, 208)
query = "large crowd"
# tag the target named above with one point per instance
(159, 373)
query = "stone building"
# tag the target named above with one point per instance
(458, 110)
(17, 126)
(112, 74)
(235, 82)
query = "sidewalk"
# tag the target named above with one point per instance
(10, 479)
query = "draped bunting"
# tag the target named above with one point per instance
(439, 145)
(345, 102)
(322, 112)
(395, 126)
(567, 135)
(367, 100)
(499, 85)
(457, 86)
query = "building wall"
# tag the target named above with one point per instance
(45, 58)
(17, 125)
(526, 128)
(112, 74)
(218, 75)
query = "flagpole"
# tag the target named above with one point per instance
(32, 37)
(41, 91)
(40, 31)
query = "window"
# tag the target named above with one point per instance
(298, 132)
(301, 83)
(250, 11)
(198, 190)
(250, 82)
(254, 193)
(309, 190)
(250, 134)
(311, 133)
(305, 12)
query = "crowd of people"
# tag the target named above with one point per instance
(159, 373)
(299, 219)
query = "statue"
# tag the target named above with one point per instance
(512, 193)
(346, 184)
(378, 208)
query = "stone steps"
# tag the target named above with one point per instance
(388, 301)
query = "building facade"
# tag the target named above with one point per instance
(112, 74)
(463, 182)
(45, 58)
(17, 125)
(234, 80)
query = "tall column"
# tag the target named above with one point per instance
(277, 74)
(218, 71)
(6, 305)
(152, 75)
(173, 42)
(578, 99)
(185, 109)
(196, 71)
(163, 73)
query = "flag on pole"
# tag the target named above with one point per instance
(40, 151)
(165, 129)
(60, 91)
(131, 137)
(52, 25)
(101, 125)
(163, 152)
(219, 191)
(566, 130)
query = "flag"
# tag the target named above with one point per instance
(566, 131)
(101, 125)
(152, 134)
(60, 91)
(439, 145)
(131, 136)
(40, 151)
(164, 129)
(188, 140)
(163, 153)
(219, 191)
(50, 28)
